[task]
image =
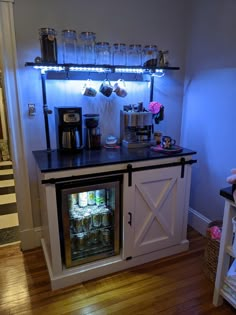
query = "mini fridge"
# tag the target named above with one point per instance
(89, 212)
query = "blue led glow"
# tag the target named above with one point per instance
(159, 73)
(156, 72)
(129, 70)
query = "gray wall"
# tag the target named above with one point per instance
(209, 101)
(161, 22)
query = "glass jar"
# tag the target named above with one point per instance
(48, 45)
(87, 47)
(134, 55)
(150, 55)
(119, 54)
(103, 54)
(69, 41)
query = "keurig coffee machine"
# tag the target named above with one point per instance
(69, 128)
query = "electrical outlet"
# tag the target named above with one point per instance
(31, 109)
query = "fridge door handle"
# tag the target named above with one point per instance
(130, 218)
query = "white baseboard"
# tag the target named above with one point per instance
(198, 221)
(31, 238)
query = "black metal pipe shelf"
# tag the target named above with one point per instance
(98, 68)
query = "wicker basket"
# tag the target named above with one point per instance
(211, 253)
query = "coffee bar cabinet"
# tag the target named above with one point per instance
(107, 212)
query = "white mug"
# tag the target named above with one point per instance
(120, 88)
(88, 89)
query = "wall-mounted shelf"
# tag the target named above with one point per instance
(44, 67)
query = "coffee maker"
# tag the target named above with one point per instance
(92, 131)
(136, 128)
(69, 128)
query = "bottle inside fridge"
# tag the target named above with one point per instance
(89, 219)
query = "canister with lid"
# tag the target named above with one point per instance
(134, 55)
(69, 40)
(48, 45)
(87, 47)
(150, 55)
(103, 53)
(119, 54)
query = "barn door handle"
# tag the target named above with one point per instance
(129, 168)
(130, 218)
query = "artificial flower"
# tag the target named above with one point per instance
(154, 107)
(157, 109)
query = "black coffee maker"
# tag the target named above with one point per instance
(69, 128)
(92, 132)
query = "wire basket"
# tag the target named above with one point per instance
(211, 252)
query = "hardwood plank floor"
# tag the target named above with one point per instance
(170, 286)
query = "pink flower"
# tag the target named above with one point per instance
(215, 232)
(154, 107)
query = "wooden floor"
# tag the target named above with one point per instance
(175, 285)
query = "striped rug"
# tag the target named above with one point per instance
(9, 226)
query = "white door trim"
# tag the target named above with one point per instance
(8, 60)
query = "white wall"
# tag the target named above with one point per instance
(160, 22)
(209, 101)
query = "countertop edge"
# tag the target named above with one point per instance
(48, 155)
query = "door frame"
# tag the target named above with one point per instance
(8, 64)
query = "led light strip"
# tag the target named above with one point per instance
(158, 72)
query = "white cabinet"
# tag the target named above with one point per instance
(226, 256)
(155, 210)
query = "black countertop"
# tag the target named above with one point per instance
(227, 192)
(55, 160)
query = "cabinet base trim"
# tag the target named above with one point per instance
(77, 276)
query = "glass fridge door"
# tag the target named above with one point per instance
(89, 219)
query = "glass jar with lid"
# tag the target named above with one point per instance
(69, 40)
(119, 54)
(87, 47)
(103, 53)
(134, 55)
(48, 45)
(150, 55)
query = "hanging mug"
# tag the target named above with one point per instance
(106, 88)
(120, 88)
(88, 89)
